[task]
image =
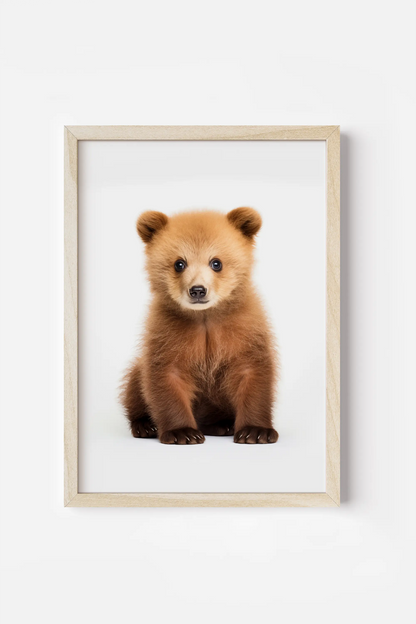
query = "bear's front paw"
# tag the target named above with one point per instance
(143, 428)
(186, 435)
(256, 435)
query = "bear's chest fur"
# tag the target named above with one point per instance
(214, 343)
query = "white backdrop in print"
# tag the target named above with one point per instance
(285, 182)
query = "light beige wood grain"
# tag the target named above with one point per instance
(333, 318)
(330, 134)
(201, 133)
(320, 499)
(71, 316)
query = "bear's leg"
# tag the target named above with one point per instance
(141, 424)
(172, 392)
(251, 390)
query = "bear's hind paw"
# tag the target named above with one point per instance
(143, 428)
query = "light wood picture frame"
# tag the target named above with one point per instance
(331, 136)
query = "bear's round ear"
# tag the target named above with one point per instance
(247, 220)
(149, 223)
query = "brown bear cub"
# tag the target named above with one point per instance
(208, 363)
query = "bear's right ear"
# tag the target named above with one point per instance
(149, 223)
(247, 220)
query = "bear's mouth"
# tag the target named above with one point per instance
(199, 301)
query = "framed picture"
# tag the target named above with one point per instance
(202, 316)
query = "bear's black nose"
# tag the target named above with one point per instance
(197, 292)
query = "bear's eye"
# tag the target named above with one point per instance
(180, 265)
(216, 265)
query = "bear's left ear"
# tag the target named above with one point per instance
(149, 223)
(247, 220)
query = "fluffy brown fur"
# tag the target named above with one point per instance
(205, 367)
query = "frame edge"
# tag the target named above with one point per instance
(201, 133)
(70, 316)
(333, 336)
(191, 499)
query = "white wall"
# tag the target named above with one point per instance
(224, 62)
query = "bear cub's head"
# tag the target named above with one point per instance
(199, 259)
